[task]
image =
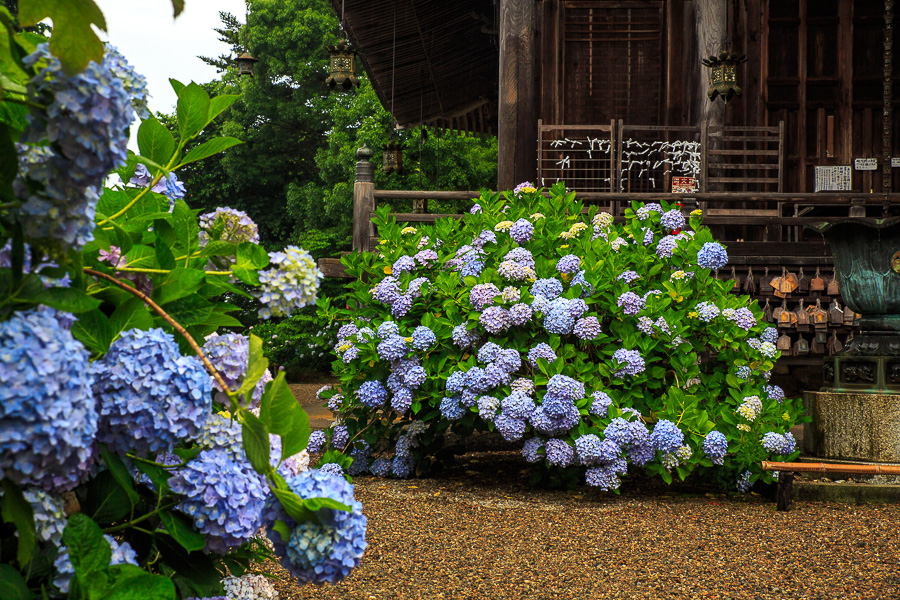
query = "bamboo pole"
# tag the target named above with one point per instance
(854, 469)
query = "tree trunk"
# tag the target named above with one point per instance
(712, 28)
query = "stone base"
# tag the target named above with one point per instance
(853, 426)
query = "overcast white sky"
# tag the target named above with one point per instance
(160, 47)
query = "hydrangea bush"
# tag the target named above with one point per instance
(140, 447)
(602, 346)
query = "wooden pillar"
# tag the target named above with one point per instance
(516, 137)
(711, 31)
(363, 200)
(785, 490)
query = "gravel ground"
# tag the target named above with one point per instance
(479, 531)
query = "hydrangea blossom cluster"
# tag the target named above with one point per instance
(46, 403)
(237, 226)
(569, 264)
(149, 396)
(517, 265)
(249, 585)
(630, 303)
(86, 123)
(715, 445)
(631, 362)
(666, 247)
(742, 317)
(223, 496)
(587, 328)
(666, 437)
(712, 256)
(777, 443)
(521, 231)
(524, 188)
(750, 408)
(291, 283)
(541, 350)
(133, 83)
(325, 549)
(168, 185)
(672, 220)
(229, 353)
(707, 311)
(49, 515)
(774, 392)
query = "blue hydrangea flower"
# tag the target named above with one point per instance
(628, 276)
(630, 361)
(404, 264)
(510, 427)
(149, 396)
(743, 318)
(707, 311)
(229, 353)
(464, 338)
(423, 338)
(316, 442)
(402, 467)
(556, 407)
(672, 220)
(559, 453)
(519, 314)
(388, 329)
(568, 264)
(601, 404)
(381, 467)
(325, 549)
(587, 328)
(86, 122)
(743, 483)
(224, 497)
(715, 445)
(559, 321)
(482, 295)
(630, 303)
(487, 407)
(645, 325)
(456, 382)
(542, 350)
(340, 437)
(565, 387)
(372, 394)
(592, 451)
(743, 372)
(521, 231)
(509, 360)
(777, 443)
(774, 392)
(120, 554)
(606, 477)
(393, 348)
(49, 515)
(413, 375)
(134, 84)
(666, 437)
(548, 425)
(517, 405)
(291, 283)
(47, 409)
(489, 352)
(484, 238)
(495, 319)
(332, 469)
(770, 334)
(712, 256)
(549, 288)
(666, 247)
(451, 408)
(402, 400)
(531, 448)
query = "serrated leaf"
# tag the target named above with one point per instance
(192, 110)
(120, 472)
(155, 141)
(257, 364)
(252, 255)
(179, 283)
(293, 505)
(12, 584)
(256, 442)
(130, 582)
(106, 501)
(191, 310)
(284, 416)
(219, 248)
(182, 531)
(73, 41)
(210, 148)
(131, 314)
(16, 510)
(67, 300)
(88, 551)
(156, 474)
(93, 330)
(220, 103)
(316, 504)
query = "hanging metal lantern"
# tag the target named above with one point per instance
(723, 77)
(343, 66)
(392, 157)
(245, 64)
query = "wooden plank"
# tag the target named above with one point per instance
(363, 205)
(423, 218)
(845, 72)
(749, 151)
(516, 137)
(332, 267)
(801, 96)
(743, 180)
(747, 138)
(745, 166)
(431, 195)
(778, 248)
(735, 212)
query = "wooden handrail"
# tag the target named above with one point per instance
(809, 467)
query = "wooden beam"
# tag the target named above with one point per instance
(517, 122)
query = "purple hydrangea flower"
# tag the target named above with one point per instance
(482, 295)
(542, 350)
(451, 408)
(565, 387)
(509, 427)
(588, 328)
(372, 394)
(229, 353)
(628, 276)
(672, 220)
(521, 231)
(236, 225)
(519, 314)
(404, 264)
(774, 392)
(426, 257)
(601, 404)
(402, 400)
(549, 288)
(631, 361)
(464, 338)
(606, 477)
(666, 436)
(559, 453)
(316, 442)
(715, 445)
(531, 448)
(665, 248)
(568, 264)
(495, 319)
(630, 303)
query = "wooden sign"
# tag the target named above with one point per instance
(684, 185)
(865, 164)
(833, 179)
(895, 162)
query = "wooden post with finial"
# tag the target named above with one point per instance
(363, 200)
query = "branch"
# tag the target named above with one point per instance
(175, 324)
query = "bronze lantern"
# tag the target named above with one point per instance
(245, 64)
(723, 75)
(343, 66)
(392, 157)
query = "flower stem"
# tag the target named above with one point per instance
(143, 517)
(175, 324)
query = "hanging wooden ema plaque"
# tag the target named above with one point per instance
(785, 284)
(817, 284)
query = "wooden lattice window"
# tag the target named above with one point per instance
(613, 61)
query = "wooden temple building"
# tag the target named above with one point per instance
(611, 97)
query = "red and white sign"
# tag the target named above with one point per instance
(684, 185)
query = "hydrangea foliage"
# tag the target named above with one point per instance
(635, 354)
